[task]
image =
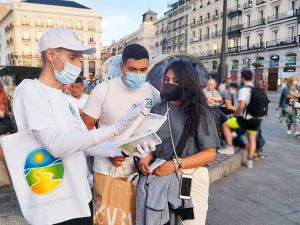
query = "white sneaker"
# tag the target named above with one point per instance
(249, 163)
(297, 133)
(229, 150)
(289, 132)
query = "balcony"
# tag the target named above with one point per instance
(210, 53)
(283, 16)
(260, 2)
(199, 22)
(255, 47)
(235, 31)
(193, 25)
(255, 23)
(207, 20)
(216, 34)
(215, 17)
(235, 49)
(25, 23)
(206, 36)
(248, 5)
(25, 38)
(195, 39)
(282, 42)
(237, 10)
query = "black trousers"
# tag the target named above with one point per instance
(80, 221)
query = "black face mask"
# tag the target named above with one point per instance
(171, 92)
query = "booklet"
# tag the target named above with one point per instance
(145, 132)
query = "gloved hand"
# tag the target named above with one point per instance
(144, 149)
(128, 118)
(105, 149)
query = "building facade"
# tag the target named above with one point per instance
(23, 23)
(144, 35)
(172, 29)
(269, 41)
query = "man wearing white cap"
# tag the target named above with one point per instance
(40, 106)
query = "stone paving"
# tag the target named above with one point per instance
(269, 194)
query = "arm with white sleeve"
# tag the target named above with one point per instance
(35, 112)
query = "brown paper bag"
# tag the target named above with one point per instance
(114, 201)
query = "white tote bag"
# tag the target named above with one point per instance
(39, 179)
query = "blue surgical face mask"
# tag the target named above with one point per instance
(135, 81)
(69, 74)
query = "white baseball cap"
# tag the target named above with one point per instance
(64, 38)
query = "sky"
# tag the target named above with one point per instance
(121, 17)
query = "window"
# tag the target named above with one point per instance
(26, 35)
(79, 25)
(91, 40)
(275, 35)
(247, 41)
(261, 39)
(248, 20)
(194, 22)
(260, 62)
(25, 21)
(194, 9)
(207, 30)
(200, 34)
(246, 63)
(235, 65)
(274, 61)
(69, 24)
(49, 22)
(92, 67)
(291, 33)
(208, 15)
(38, 21)
(216, 28)
(214, 65)
(200, 19)
(276, 12)
(290, 59)
(38, 35)
(26, 50)
(292, 5)
(261, 15)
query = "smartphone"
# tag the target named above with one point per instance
(185, 186)
(158, 162)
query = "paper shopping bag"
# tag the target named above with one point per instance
(114, 201)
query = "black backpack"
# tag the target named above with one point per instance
(259, 103)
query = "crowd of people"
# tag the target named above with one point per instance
(73, 126)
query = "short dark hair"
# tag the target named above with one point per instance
(247, 75)
(79, 80)
(134, 51)
(234, 85)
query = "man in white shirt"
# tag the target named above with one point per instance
(41, 107)
(212, 95)
(242, 119)
(110, 99)
(77, 92)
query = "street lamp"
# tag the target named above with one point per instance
(222, 69)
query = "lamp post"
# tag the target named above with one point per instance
(222, 69)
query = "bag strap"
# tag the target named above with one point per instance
(178, 150)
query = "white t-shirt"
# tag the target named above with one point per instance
(108, 102)
(39, 107)
(245, 96)
(81, 101)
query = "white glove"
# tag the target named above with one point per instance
(104, 149)
(144, 149)
(128, 118)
